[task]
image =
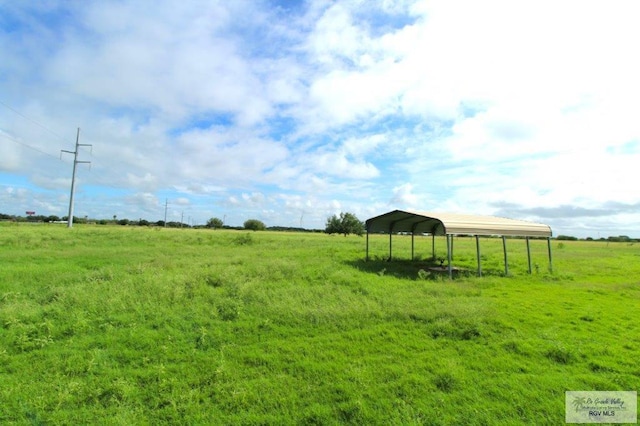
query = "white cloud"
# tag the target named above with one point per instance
(230, 158)
(336, 40)
(177, 60)
(364, 145)
(239, 107)
(337, 164)
(403, 197)
(147, 201)
(9, 154)
(255, 198)
(148, 181)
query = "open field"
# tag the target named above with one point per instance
(124, 325)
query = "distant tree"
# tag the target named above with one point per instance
(254, 225)
(123, 222)
(287, 229)
(143, 222)
(76, 219)
(620, 239)
(333, 225)
(346, 224)
(34, 218)
(214, 223)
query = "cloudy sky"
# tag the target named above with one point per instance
(291, 111)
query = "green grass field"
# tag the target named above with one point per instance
(129, 325)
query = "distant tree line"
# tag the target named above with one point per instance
(615, 239)
(345, 224)
(213, 223)
(32, 218)
(566, 238)
(85, 220)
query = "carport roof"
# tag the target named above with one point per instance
(417, 222)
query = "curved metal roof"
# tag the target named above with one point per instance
(417, 222)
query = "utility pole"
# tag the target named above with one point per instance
(166, 203)
(73, 176)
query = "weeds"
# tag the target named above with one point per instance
(228, 309)
(560, 355)
(202, 327)
(445, 382)
(243, 240)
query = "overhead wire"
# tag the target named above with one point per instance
(31, 120)
(34, 122)
(26, 145)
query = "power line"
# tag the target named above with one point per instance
(12, 139)
(31, 120)
(26, 145)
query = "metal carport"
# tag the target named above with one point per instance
(450, 224)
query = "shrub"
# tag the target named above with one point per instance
(243, 240)
(254, 225)
(214, 223)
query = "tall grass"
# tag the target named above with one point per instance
(126, 325)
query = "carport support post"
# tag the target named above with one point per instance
(449, 247)
(390, 243)
(478, 254)
(433, 246)
(549, 250)
(412, 242)
(506, 263)
(366, 258)
(528, 255)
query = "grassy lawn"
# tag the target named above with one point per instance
(128, 325)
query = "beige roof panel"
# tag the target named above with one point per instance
(452, 223)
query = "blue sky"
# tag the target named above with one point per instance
(291, 111)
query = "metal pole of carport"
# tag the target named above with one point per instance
(549, 250)
(449, 247)
(478, 254)
(433, 245)
(506, 263)
(367, 249)
(412, 245)
(528, 254)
